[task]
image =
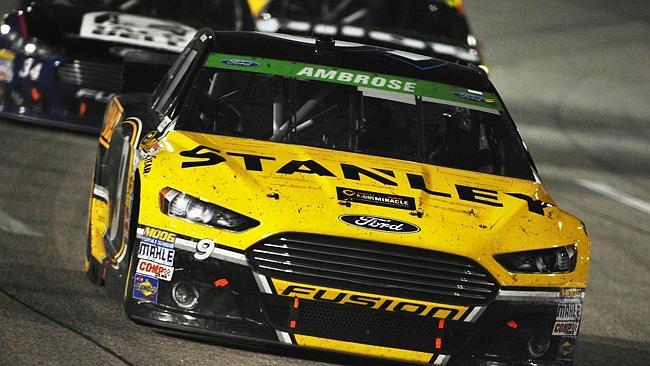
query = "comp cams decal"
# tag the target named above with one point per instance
(203, 156)
(565, 328)
(155, 270)
(375, 198)
(380, 224)
(136, 30)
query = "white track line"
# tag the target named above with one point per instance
(613, 193)
(15, 226)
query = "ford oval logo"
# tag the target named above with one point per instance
(245, 63)
(379, 224)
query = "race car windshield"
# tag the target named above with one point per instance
(417, 17)
(351, 118)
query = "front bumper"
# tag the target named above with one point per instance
(518, 327)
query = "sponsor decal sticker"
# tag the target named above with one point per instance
(156, 270)
(150, 145)
(571, 293)
(7, 55)
(567, 348)
(379, 224)
(375, 198)
(159, 237)
(569, 311)
(477, 97)
(145, 288)
(440, 92)
(565, 328)
(148, 163)
(236, 62)
(156, 253)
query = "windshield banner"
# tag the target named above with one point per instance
(430, 91)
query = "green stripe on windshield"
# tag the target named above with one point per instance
(442, 93)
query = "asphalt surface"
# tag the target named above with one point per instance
(576, 78)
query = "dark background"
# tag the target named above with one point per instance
(575, 75)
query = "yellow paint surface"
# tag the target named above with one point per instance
(363, 349)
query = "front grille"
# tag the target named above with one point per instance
(102, 76)
(375, 268)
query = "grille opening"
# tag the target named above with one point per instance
(375, 268)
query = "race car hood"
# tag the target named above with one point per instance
(75, 27)
(292, 188)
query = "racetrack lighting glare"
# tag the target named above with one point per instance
(30, 48)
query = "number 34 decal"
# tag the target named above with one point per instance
(30, 69)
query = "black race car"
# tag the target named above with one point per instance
(62, 60)
(437, 28)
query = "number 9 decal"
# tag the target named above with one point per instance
(204, 249)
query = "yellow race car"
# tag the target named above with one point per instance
(313, 193)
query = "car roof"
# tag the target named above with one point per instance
(348, 55)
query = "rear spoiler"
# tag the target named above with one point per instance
(143, 70)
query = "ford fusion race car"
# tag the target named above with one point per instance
(62, 60)
(436, 28)
(293, 191)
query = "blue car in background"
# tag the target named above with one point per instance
(62, 60)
